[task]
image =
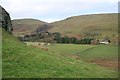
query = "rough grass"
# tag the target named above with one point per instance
(96, 25)
(21, 61)
(23, 26)
(0, 53)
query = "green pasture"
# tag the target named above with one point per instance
(101, 51)
(22, 61)
(98, 51)
(69, 48)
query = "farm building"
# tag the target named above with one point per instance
(104, 41)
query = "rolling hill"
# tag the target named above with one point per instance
(22, 61)
(95, 25)
(101, 26)
(23, 26)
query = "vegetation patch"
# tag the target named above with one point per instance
(22, 61)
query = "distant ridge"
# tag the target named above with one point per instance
(94, 25)
(23, 26)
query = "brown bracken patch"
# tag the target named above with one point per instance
(111, 63)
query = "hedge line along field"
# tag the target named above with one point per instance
(22, 61)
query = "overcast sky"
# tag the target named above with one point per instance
(54, 10)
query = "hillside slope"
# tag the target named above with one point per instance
(101, 26)
(96, 25)
(103, 55)
(22, 26)
(21, 61)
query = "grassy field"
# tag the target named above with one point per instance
(21, 61)
(104, 55)
(0, 53)
(102, 51)
(69, 48)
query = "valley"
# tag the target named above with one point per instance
(83, 46)
(20, 60)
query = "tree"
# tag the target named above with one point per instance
(87, 40)
(77, 41)
(66, 39)
(72, 40)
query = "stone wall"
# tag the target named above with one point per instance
(5, 20)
